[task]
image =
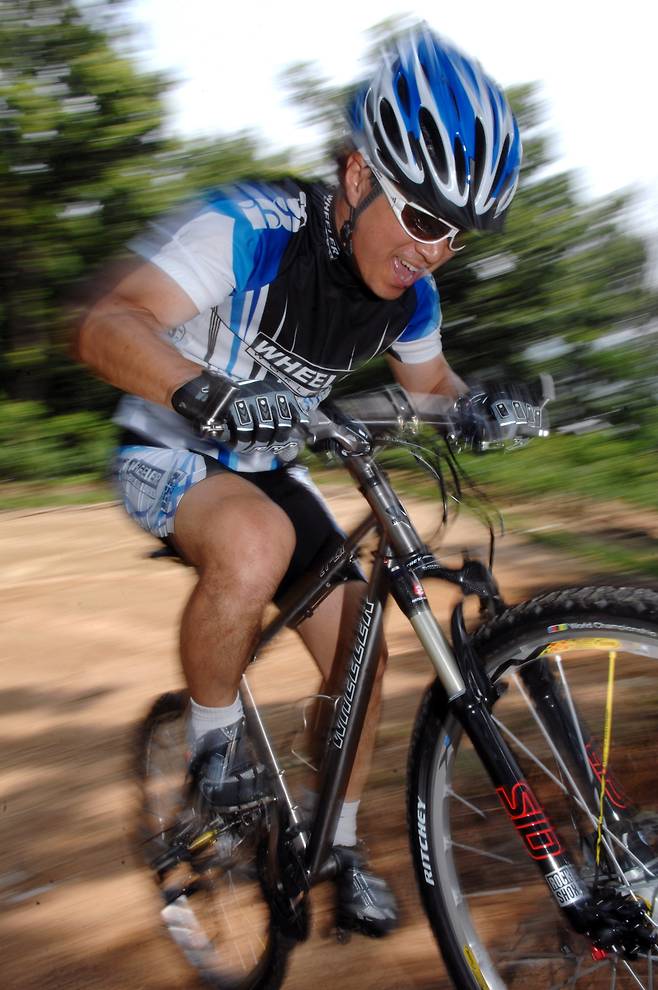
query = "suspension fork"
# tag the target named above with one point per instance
(539, 836)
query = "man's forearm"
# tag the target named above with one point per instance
(127, 349)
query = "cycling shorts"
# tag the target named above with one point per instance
(151, 481)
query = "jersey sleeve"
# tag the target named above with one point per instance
(421, 338)
(230, 242)
(195, 248)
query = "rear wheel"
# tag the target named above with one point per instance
(208, 868)
(490, 908)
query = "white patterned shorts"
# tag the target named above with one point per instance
(153, 480)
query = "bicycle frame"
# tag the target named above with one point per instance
(401, 561)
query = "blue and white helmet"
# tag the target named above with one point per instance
(441, 130)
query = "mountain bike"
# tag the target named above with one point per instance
(531, 796)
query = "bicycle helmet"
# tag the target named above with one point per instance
(438, 127)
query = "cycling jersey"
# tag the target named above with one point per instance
(277, 297)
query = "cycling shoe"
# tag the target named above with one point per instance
(365, 902)
(224, 771)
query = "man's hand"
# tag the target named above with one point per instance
(494, 417)
(251, 415)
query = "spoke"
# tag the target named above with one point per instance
(481, 852)
(493, 893)
(574, 718)
(578, 974)
(463, 801)
(572, 791)
(573, 794)
(633, 974)
(650, 971)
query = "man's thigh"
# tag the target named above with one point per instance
(160, 489)
(178, 496)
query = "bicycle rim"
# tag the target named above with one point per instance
(490, 907)
(208, 871)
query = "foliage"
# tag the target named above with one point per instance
(35, 445)
(84, 163)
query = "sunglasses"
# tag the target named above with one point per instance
(415, 221)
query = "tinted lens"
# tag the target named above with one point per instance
(423, 226)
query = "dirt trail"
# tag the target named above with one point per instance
(89, 632)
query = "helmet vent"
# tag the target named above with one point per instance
(461, 168)
(502, 163)
(390, 125)
(480, 154)
(433, 143)
(403, 94)
(381, 152)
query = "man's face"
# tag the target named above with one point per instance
(388, 259)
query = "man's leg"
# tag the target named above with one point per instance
(240, 544)
(364, 900)
(328, 635)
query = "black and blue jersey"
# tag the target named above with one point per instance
(277, 297)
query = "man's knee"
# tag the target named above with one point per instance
(240, 537)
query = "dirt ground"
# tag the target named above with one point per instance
(89, 638)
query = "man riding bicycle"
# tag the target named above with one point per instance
(244, 309)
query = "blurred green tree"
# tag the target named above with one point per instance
(84, 162)
(81, 163)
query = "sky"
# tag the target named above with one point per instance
(595, 61)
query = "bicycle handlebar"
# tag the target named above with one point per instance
(486, 419)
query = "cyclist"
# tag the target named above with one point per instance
(254, 301)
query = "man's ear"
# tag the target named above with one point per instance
(357, 179)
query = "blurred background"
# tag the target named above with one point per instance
(110, 112)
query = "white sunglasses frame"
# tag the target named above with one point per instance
(397, 202)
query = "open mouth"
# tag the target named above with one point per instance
(406, 273)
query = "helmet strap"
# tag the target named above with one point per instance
(347, 229)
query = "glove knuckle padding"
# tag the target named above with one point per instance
(257, 414)
(494, 414)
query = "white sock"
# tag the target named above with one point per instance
(346, 829)
(204, 719)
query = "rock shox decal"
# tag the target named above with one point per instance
(565, 886)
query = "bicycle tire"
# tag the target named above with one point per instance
(215, 906)
(489, 908)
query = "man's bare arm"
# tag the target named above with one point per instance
(121, 335)
(433, 377)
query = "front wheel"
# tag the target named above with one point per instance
(208, 869)
(577, 673)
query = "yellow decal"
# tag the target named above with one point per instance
(569, 645)
(474, 968)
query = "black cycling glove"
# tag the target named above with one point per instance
(251, 415)
(495, 417)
